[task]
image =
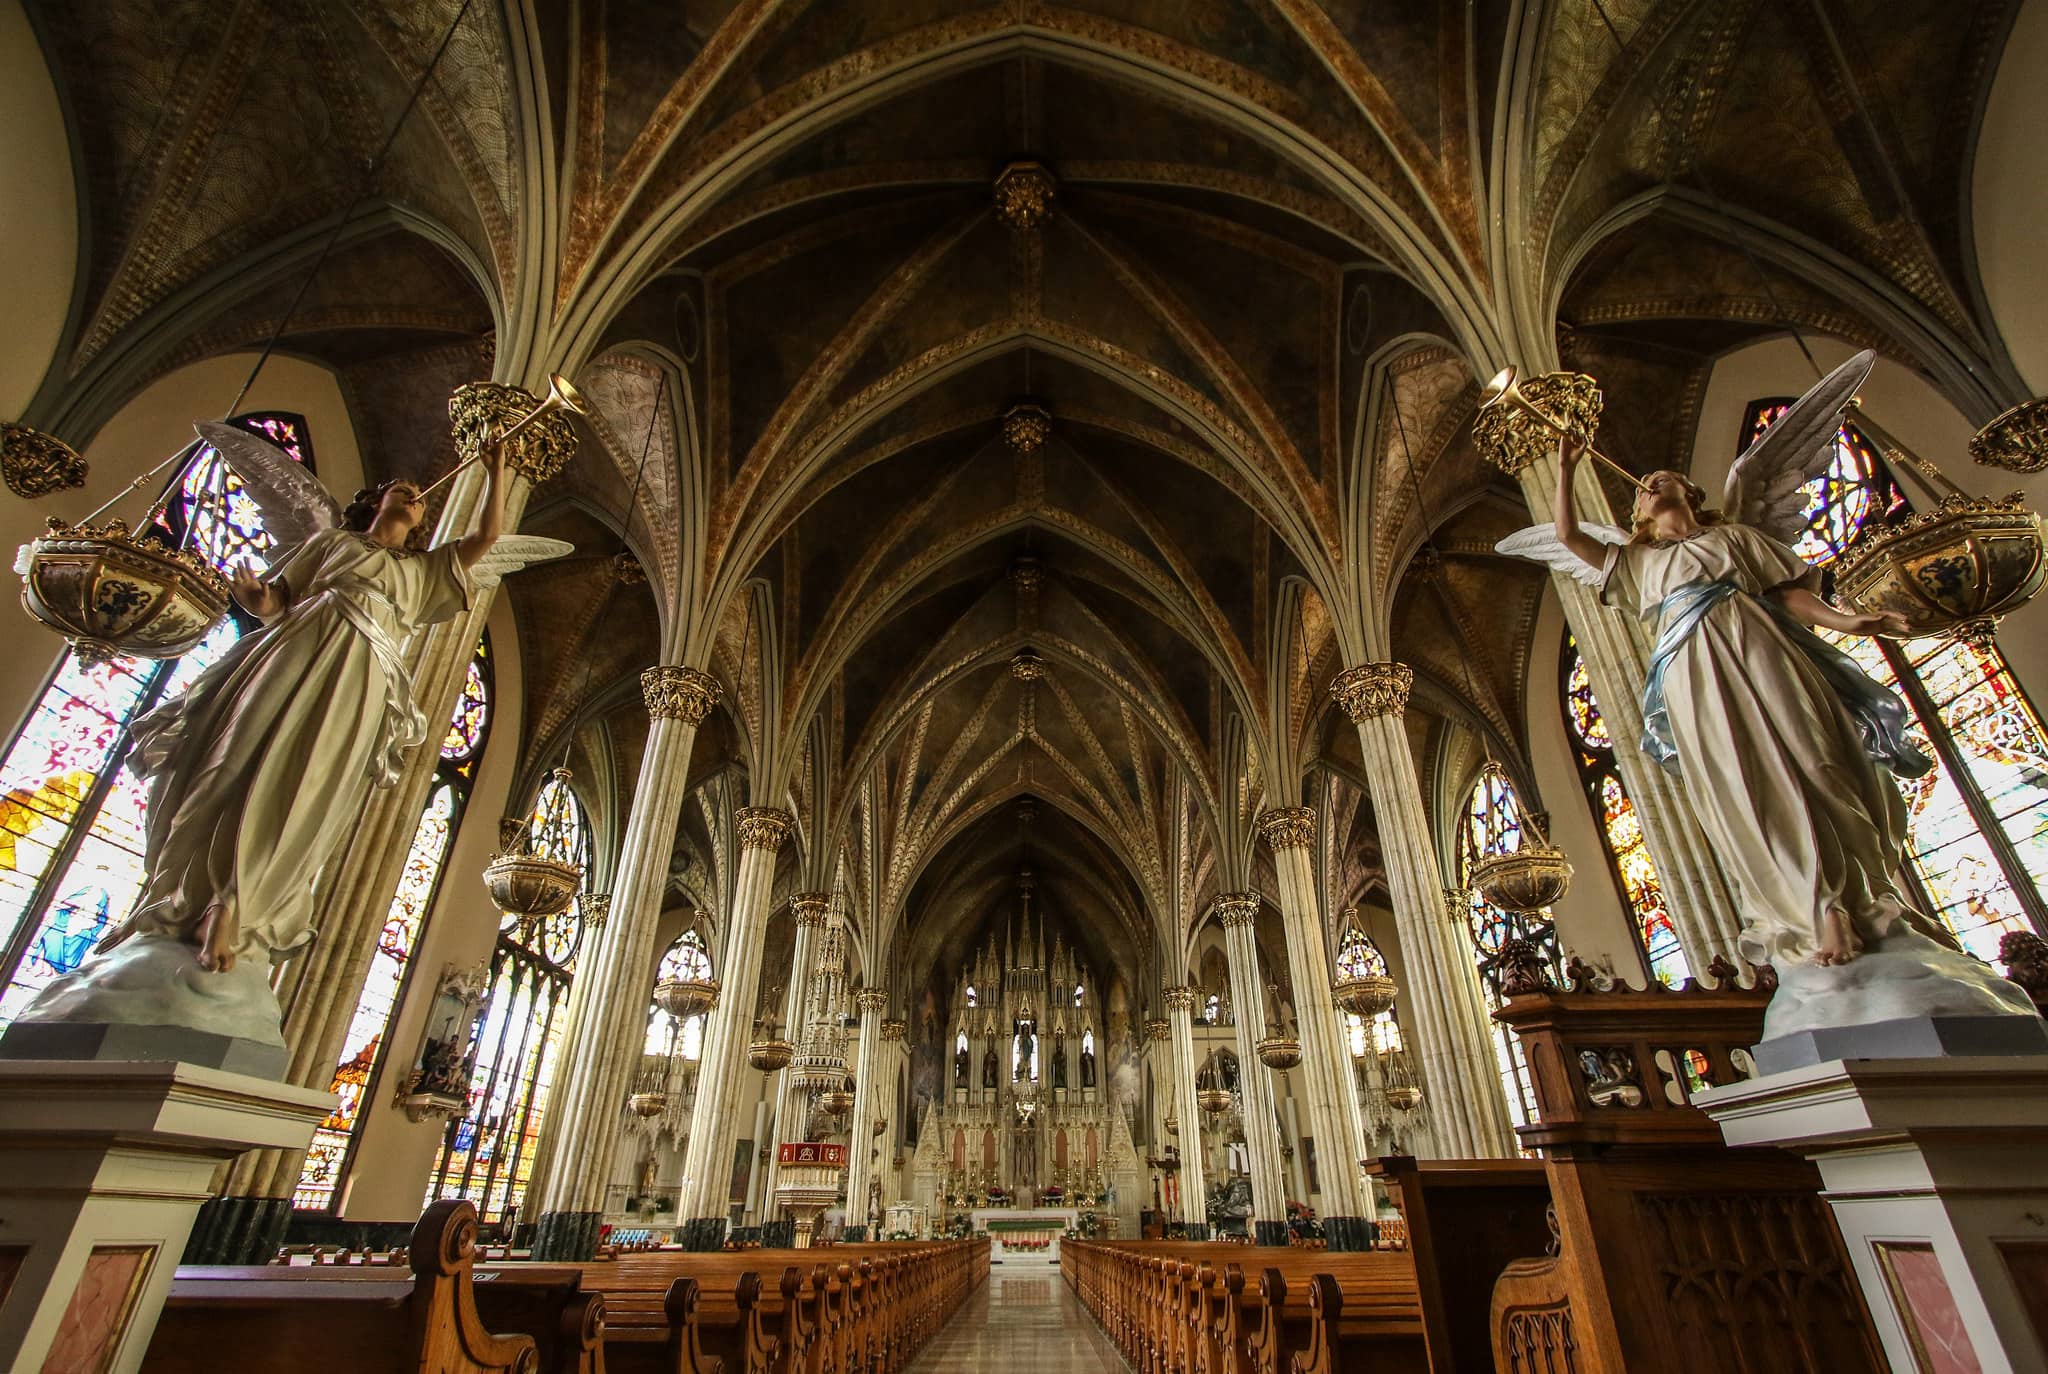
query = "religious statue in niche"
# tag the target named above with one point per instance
(1059, 1061)
(1778, 735)
(1027, 1045)
(988, 1068)
(260, 771)
(960, 1064)
(1087, 1064)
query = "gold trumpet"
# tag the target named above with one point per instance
(562, 395)
(1505, 390)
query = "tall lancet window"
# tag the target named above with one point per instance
(1621, 829)
(71, 816)
(1978, 824)
(362, 1052)
(1492, 824)
(487, 1154)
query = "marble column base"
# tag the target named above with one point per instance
(704, 1233)
(1348, 1233)
(1933, 1167)
(238, 1230)
(566, 1237)
(778, 1235)
(1269, 1232)
(103, 1168)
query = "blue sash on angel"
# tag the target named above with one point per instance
(1876, 710)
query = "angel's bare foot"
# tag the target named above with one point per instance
(113, 938)
(1838, 942)
(217, 939)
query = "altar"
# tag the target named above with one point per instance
(1028, 1235)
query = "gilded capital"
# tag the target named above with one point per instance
(763, 827)
(595, 908)
(36, 464)
(1156, 1028)
(895, 1028)
(1236, 909)
(1289, 827)
(481, 409)
(810, 907)
(1180, 998)
(682, 694)
(1373, 689)
(871, 1000)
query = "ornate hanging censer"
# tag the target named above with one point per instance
(837, 1100)
(526, 883)
(1525, 879)
(1363, 985)
(688, 996)
(1280, 1049)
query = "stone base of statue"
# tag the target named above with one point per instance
(103, 1167)
(1934, 1169)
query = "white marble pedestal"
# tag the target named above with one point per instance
(1937, 1171)
(103, 1166)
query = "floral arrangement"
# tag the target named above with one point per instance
(1026, 1244)
(900, 1234)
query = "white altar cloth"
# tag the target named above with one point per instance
(1047, 1224)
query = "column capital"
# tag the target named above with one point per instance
(683, 694)
(1156, 1028)
(871, 1000)
(895, 1028)
(811, 908)
(1289, 827)
(1180, 998)
(1373, 689)
(1236, 909)
(595, 908)
(763, 827)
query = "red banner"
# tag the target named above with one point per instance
(810, 1152)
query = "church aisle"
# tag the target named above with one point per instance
(1026, 1322)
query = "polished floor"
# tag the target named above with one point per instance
(1028, 1322)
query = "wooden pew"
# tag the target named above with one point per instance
(273, 1318)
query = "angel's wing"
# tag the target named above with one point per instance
(1540, 544)
(514, 552)
(293, 504)
(1763, 488)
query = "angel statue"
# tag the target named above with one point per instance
(259, 772)
(1780, 738)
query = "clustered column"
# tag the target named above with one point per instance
(860, 1168)
(1325, 1058)
(809, 909)
(714, 1123)
(607, 1018)
(1194, 1183)
(1461, 1080)
(1237, 911)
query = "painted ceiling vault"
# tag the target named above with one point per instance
(1261, 252)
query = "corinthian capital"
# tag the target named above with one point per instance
(763, 827)
(871, 1000)
(683, 694)
(810, 907)
(1289, 827)
(1373, 689)
(1236, 909)
(1180, 998)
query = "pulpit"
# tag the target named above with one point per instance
(808, 1174)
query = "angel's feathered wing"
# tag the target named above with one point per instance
(513, 552)
(293, 504)
(1763, 488)
(1540, 544)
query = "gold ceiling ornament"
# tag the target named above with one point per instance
(627, 570)
(1027, 572)
(1521, 419)
(36, 464)
(1026, 427)
(762, 827)
(109, 593)
(1026, 666)
(1289, 827)
(482, 414)
(1372, 690)
(2016, 440)
(683, 694)
(1024, 195)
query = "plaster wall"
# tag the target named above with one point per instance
(38, 213)
(2009, 196)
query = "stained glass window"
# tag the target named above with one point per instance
(1977, 838)
(71, 818)
(1621, 829)
(326, 1162)
(1492, 824)
(487, 1154)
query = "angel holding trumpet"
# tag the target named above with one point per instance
(260, 771)
(1782, 741)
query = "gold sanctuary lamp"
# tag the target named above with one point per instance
(530, 886)
(647, 1105)
(683, 998)
(2016, 440)
(111, 594)
(1363, 986)
(1528, 878)
(1278, 1050)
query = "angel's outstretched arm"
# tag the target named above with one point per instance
(1810, 609)
(1584, 547)
(491, 522)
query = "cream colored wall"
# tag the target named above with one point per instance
(1591, 922)
(388, 1179)
(2009, 196)
(152, 426)
(1914, 413)
(38, 213)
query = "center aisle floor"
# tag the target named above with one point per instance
(1028, 1322)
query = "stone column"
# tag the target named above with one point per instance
(1334, 1122)
(809, 909)
(607, 1016)
(1701, 901)
(867, 1097)
(1453, 1037)
(1194, 1183)
(707, 1162)
(1255, 1088)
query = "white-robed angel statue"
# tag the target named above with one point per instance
(260, 771)
(1782, 741)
